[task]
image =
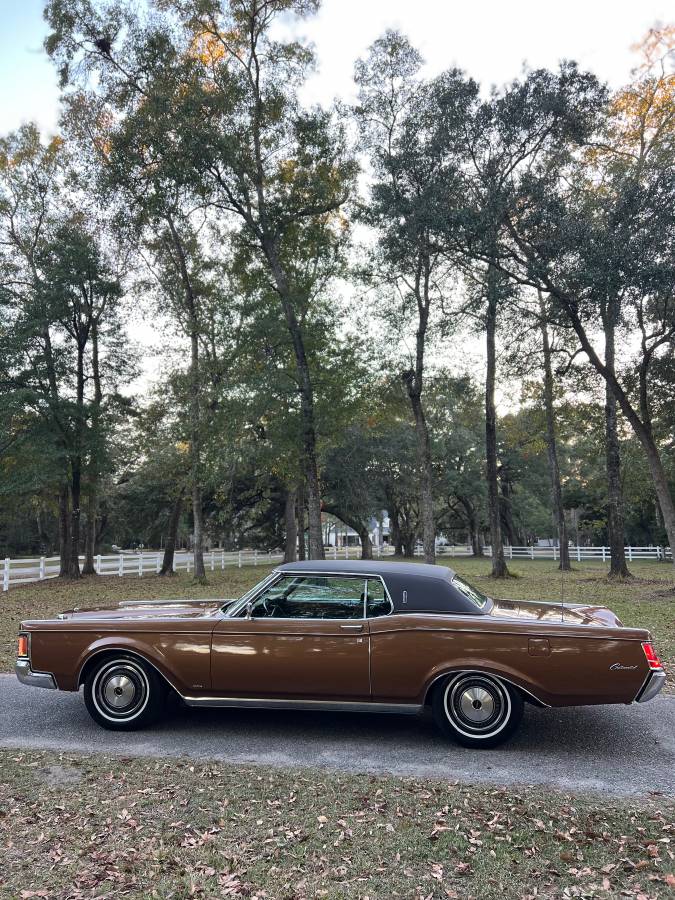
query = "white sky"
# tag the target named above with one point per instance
(491, 40)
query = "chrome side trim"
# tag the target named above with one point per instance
(328, 705)
(35, 679)
(499, 677)
(653, 684)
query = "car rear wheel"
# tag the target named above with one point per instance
(123, 693)
(477, 710)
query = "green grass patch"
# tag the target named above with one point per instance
(94, 826)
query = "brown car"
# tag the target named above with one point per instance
(368, 636)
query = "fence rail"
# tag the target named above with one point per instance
(25, 571)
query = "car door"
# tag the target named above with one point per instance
(307, 638)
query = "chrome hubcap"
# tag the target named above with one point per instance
(477, 705)
(119, 691)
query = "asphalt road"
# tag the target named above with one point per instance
(616, 749)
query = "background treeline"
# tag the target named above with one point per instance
(342, 296)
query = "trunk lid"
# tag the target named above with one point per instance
(555, 613)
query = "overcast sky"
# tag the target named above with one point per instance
(491, 40)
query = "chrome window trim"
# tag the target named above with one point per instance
(234, 610)
(386, 594)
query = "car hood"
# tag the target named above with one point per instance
(555, 613)
(147, 609)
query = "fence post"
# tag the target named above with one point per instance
(213, 561)
(188, 564)
(532, 552)
(604, 555)
(578, 553)
(255, 557)
(630, 554)
(554, 553)
(42, 568)
(173, 564)
(157, 564)
(240, 559)
(510, 551)
(120, 566)
(140, 565)
(5, 575)
(222, 558)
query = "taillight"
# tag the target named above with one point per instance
(22, 647)
(653, 660)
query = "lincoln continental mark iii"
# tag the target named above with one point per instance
(365, 636)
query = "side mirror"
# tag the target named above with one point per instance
(249, 610)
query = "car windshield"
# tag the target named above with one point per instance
(251, 592)
(470, 592)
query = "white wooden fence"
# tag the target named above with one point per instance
(23, 571)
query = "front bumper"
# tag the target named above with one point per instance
(655, 681)
(37, 679)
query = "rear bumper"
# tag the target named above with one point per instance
(655, 681)
(36, 679)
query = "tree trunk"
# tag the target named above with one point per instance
(409, 541)
(357, 525)
(90, 532)
(75, 515)
(195, 410)
(94, 462)
(499, 569)
(76, 466)
(618, 567)
(309, 454)
(474, 531)
(641, 426)
(551, 446)
(414, 382)
(300, 506)
(426, 468)
(291, 548)
(395, 537)
(64, 532)
(170, 548)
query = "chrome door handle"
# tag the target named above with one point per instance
(351, 627)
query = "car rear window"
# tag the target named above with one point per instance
(470, 592)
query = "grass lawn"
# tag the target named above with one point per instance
(75, 827)
(647, 601)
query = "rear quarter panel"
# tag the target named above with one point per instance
(408, 652)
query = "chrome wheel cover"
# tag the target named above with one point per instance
(477, 705)
(120, 690)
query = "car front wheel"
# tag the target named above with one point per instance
(123, 693)
(477, 710)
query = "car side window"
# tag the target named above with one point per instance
(378, 602)
(311, 597)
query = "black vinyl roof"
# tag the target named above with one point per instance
(413, 587)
